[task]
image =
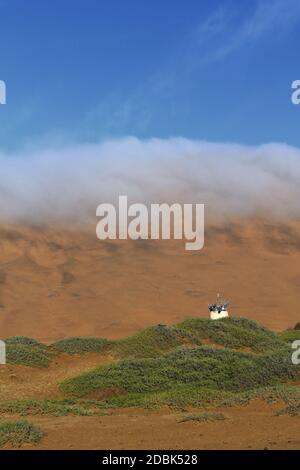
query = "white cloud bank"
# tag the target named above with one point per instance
(68, 183)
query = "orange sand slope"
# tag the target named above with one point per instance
(56, 283)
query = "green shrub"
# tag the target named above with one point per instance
(80, 345)
(18, 353)
(182, 396)
(153, 342)
(17, 433)
(52, 407)
(234, 333)
(289, 335)
(219, 369)
(24, 340)
(292, 409)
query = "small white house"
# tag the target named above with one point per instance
(218, 310)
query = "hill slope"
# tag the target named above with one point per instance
(56, 283)
(69, 386)
(172, 359)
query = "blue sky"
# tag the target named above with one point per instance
(87, 70)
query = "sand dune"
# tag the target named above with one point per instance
(56, 282)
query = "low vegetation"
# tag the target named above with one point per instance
(52, 407)
(171, 366)
(26, 351)
(290, 335)
(218, 369)
(180, 398)
(202, 417)
(234, 333)
(288, 394)
(153, 342)
(231, 333)
(24, 340)
(186, 396)
(197, 363)
(17, 433)
(293, 409)
(81, 345)
(27, 355)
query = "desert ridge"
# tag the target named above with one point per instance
(58, 282)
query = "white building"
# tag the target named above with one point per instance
(218, 310)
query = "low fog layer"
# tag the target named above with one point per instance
(68, 183)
